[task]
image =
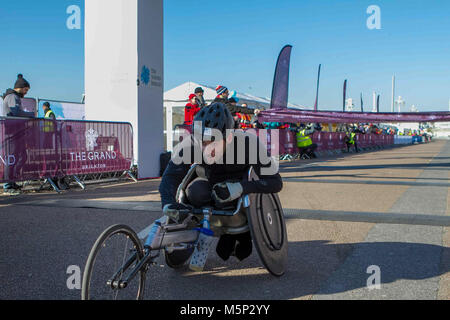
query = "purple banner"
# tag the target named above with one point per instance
(34, 149)
(306, 116)
(280, 90)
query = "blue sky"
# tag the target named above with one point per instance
(236, 43)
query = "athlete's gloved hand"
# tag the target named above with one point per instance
(177, 211)
(227, 192)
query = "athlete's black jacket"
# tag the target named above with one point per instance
(270, 179)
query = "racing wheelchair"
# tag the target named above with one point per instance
(118, 262)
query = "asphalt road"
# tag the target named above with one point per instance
(343, 229)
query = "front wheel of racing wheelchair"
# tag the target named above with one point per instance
(260, 214)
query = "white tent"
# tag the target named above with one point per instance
(179, 96)
(1, 107)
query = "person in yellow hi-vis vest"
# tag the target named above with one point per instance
(50, 142)
(49, 115)
(350, 140)
(304, 141)
(48, 126)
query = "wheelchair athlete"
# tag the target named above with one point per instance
(219, 183)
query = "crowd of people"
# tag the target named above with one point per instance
(244, 116)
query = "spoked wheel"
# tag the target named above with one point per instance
(113, 257)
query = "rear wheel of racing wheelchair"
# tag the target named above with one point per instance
(268, 230)
(104, 274)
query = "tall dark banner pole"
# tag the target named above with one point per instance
(362, 104)
(280, 89)
(316, 104)
(378, 104)
(345, 95)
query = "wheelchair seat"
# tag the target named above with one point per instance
(261, 214)
(234, 217)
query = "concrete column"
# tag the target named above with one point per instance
(124, 72)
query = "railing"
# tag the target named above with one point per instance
(33, 149)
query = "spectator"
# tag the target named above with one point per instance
(191, 109)
(12, 103)
(304, 142)
(199, 92)
(222, 97)
(350, 139)
(12, 107)
(49, 142)
(48, 112)
(233, 101)
(255, 120)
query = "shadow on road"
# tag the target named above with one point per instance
(93, 192)
(413, 166)
(311, 263)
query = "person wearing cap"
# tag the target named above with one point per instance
(191, 109)
(48, 112)
(49, 115)
(304, 142)
(50, 140)
(255, 120)
(12, 107)
(222, 97)
(12, 103)
(199, 92)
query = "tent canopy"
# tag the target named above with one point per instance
(180, 94)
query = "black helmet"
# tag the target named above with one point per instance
(216, 116)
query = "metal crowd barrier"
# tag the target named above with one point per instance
(34, 149)
(327, 142)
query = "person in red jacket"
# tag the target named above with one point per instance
(191, 109)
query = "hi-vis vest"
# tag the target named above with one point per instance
(352, 138)
(302, 140)
(48, 124)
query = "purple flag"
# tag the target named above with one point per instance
(378, 103)
(280, 90)
(362, 104)
(316, 104)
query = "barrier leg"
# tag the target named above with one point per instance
(77, 180)
(131, 176)
(53, 185)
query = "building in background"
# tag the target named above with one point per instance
(441, 130)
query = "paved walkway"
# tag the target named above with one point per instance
(345, 214)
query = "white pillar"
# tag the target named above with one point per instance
(393, 94)
(124, 72)
(169, 126)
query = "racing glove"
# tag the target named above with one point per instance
(227, 192)
(177, 211)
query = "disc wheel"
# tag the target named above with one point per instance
(268, 230)
(115, 247)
